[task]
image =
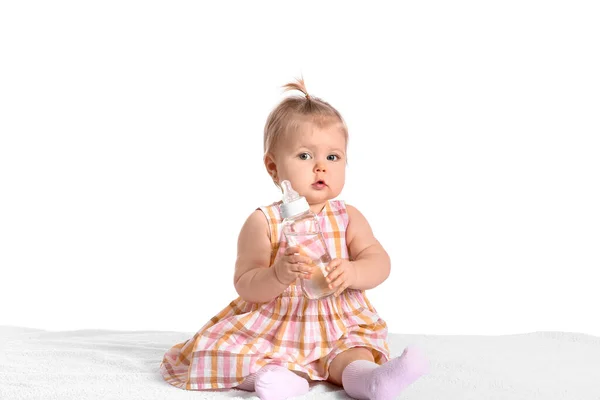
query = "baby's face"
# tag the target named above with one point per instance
(314, 154)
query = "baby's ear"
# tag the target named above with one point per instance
(270, 165)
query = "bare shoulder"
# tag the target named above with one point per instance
(254, 224)
(359, 235)
(254, 244)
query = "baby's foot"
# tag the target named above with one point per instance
(366, 380)
(279, 383)
(391, 378)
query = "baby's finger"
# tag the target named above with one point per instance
(340, 290)
(334, 264)
(301, 268)
(300, 259)
(303, 275)
(333, 275)
(291, 250)
(308, 269)
(336, 281)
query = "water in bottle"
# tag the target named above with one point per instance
(302, 229)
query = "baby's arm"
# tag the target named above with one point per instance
(371, 261)
(254, 281)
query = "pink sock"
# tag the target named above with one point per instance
(367, 380)
(274, 382)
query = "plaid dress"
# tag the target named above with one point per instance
(291, 330)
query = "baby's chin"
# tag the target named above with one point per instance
(319, 199)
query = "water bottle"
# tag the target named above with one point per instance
(302, 229)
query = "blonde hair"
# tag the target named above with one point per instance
(294, 111)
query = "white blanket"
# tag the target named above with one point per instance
(101, 364)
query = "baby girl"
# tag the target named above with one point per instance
(272, 339)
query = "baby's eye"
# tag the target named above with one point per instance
(333, 155)
(302, 156)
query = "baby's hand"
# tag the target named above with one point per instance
(292, 266)
(342, 274)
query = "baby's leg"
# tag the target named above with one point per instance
(248, 384)
(274, 382)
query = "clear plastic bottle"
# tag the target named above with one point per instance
(302, 229)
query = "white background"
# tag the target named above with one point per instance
(131, 154)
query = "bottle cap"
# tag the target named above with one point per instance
(293, 204)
